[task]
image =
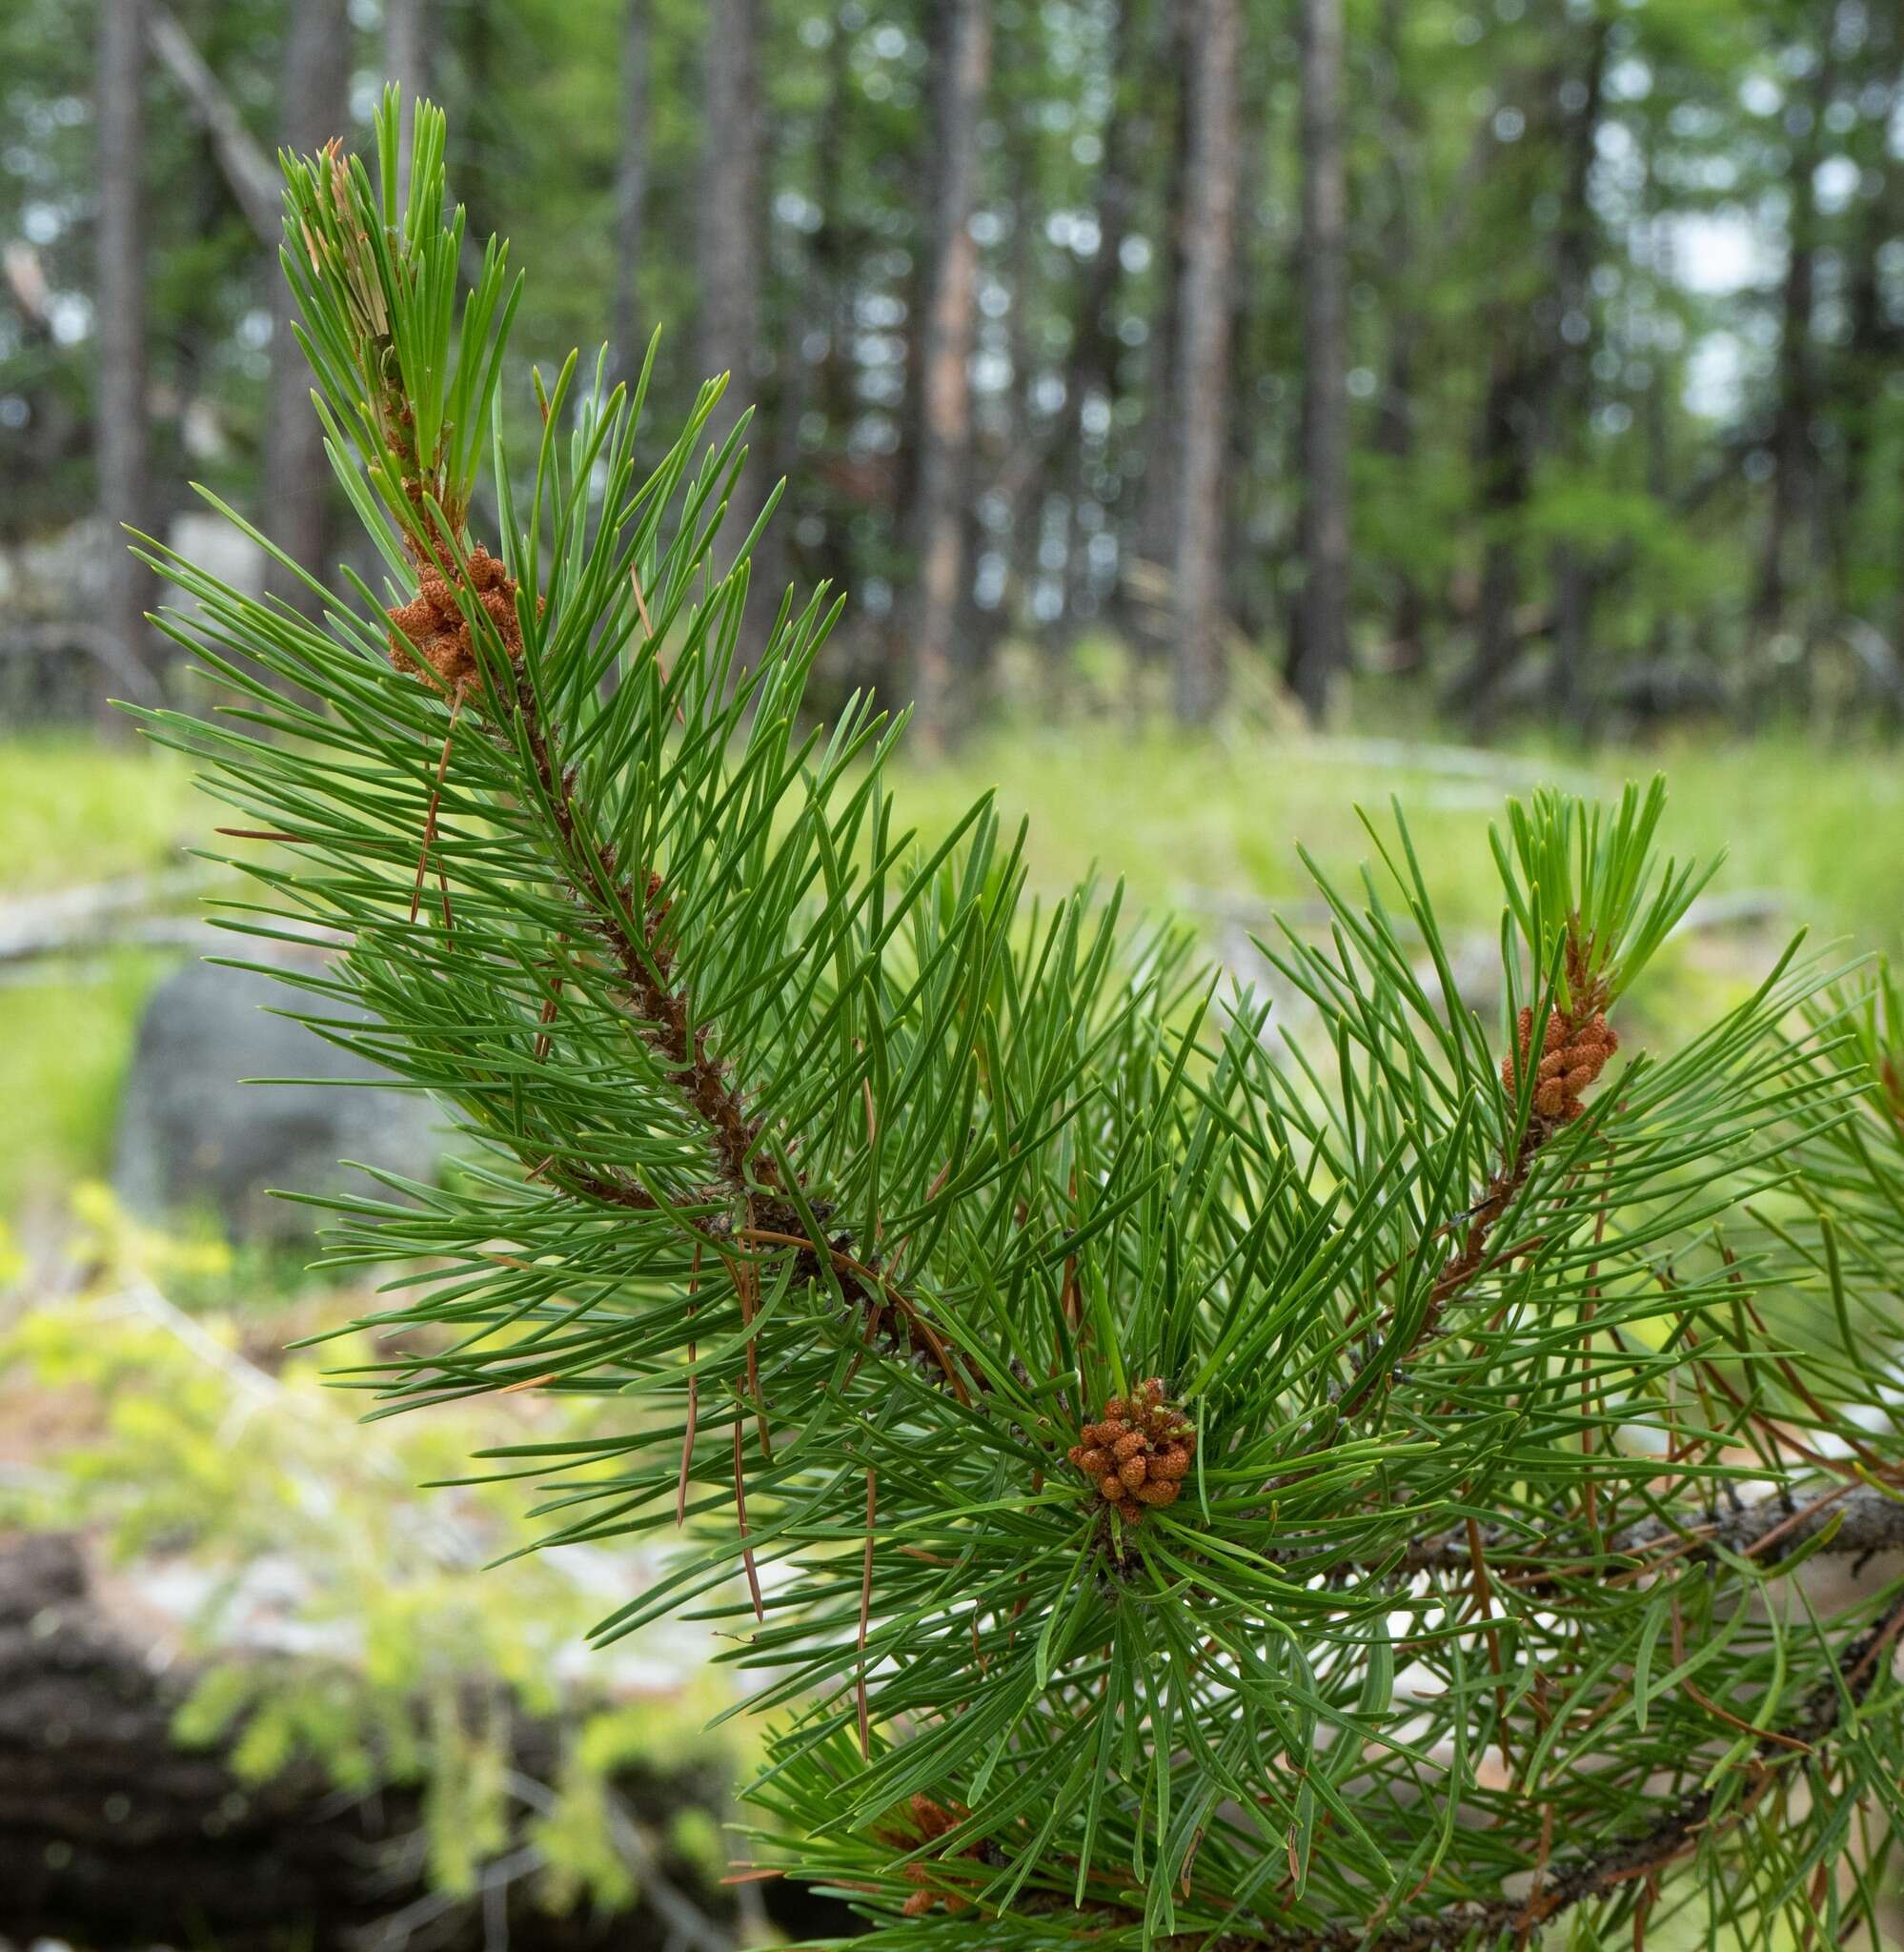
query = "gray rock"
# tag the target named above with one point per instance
(192, 1137)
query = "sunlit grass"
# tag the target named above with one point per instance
(66, 1040)
(1208, 829)
(77, 810)
(1215, 827)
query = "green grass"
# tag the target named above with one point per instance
(65, 1043)
(1217, 826)
(77, 810)
(1210, 830)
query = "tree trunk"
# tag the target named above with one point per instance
(296, 515)
(1395, 420)
(730, 227)
(123, 446)
(248, 168)
(832, 259)
(631, 191)
(945, 434)
(1794, 414)
(1157, 514)
(1502, 466)
(1874, 335)
(1096, 352)
(731, 238)
(1575, 249)
(1202, 363)
(1319, 650)
(407, 62)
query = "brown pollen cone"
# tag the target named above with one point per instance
(1138, 1454)
(429, 633)
(1574, 1052)
(933, 1821)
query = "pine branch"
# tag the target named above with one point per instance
(1181, 1459)
(1851, 1520)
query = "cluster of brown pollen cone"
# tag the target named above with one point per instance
(1139, 1452)
(1572, 1053)
(431, 632)
(932, 1821)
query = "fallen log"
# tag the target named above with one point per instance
(113, 1836)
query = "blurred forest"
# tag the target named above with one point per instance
(1478, 360)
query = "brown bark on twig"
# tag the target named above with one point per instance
(1868, 1520)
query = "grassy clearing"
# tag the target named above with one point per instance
(65, 1043)
(1218, 826)
(1209, 831)
(77, 810)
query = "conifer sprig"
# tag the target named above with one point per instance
(1167, 1475)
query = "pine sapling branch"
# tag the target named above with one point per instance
(1200, 1493)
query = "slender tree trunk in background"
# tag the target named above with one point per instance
(1576, 248)
(959, 77)
(1255, 543)
(406, 61)
(1202, 387)
(631, 191)
(1095, 348)
(1395, 440)
(248, 168)
(1794, 414)
(1872, 337)
(1031, 455)
(730, 235)
(488, 141)
(123, 445)
(1502, 466)
(1157, 515)
(313, 107)
(1395, 420)
(809, 325)
(1507, 438)
(1655, 421)
(837, 380)
(1319, 648)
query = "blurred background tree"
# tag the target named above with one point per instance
(1489, 357)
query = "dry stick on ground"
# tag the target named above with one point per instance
(114, 1834)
